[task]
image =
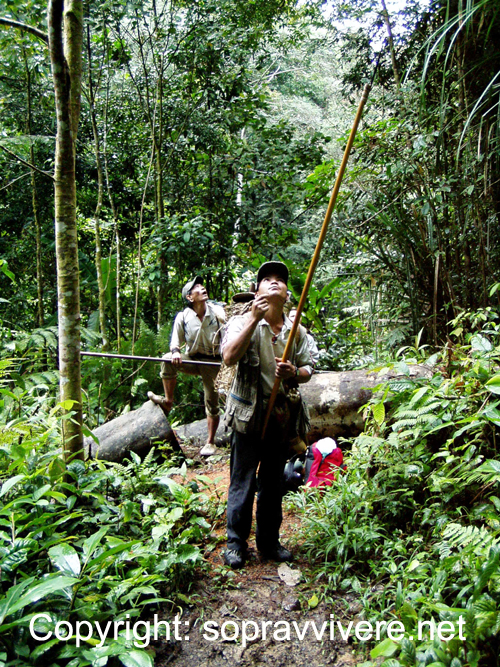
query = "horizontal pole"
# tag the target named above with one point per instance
(136, 358)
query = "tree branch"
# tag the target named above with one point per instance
(4, 187)
(27, 28)
(27, 164)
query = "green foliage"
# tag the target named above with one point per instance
(413, 527)
(92, 542)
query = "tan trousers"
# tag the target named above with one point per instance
(207, 374)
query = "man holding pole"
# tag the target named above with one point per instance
(256, 342)
(198, 327)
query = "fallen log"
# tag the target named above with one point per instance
(195, 433)
(135, 431)
(333, 399)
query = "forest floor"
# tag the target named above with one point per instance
(255, 593)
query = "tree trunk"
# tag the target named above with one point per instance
(196, 433)
(34, 203)
(390, 40)
(333, 400)
(65, 23)
(97, 215)
(115, 212)
(162, 288)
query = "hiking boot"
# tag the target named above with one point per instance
(208, 450)
(279, 554)
(234, 558)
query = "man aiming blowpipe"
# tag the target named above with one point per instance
(255, 341)
(243, 344)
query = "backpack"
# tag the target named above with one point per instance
(317, 467)
(323, 459)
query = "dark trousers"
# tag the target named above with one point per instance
(247, 451)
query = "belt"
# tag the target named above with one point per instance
(215, 357)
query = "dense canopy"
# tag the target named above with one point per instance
(143, 143)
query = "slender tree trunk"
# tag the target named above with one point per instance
(139, 247)
(65, 24)
(462, 84)
(114, 211)
(239, 202)
(162, 289)
(34, 203)
(390, 39)
(155, 119)
(97, 215)
(117, 286)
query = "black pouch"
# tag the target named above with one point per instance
(308, 464)
(293, 474)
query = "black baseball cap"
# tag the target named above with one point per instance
(198, 280)
(276, 268)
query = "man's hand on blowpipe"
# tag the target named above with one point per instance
(285, 369)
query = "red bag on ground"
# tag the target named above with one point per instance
(326, 458)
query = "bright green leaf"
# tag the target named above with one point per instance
(40, 591)
(65, 558)
(386, 648)
(6, 486)
(493, 384)
(313, 602)
(379, 413)
(136, 659)
(91, 543)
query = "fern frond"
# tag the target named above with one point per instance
(429, 407)
(485, 604)
(400, 385)
(146, 343)
(487, 473)
(488, 569)
(444, 550)
(402, 423)
(428, 419)
(149, 458)
(5, 366)
(469, 538)
(120, 468)
(45, 379)
(410, 434)
(39, 339)
(407, 414)
(90, 335)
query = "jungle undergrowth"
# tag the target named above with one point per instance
(413, 526)
(92, 541)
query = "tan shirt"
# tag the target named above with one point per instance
(200, 337)
(271, 346)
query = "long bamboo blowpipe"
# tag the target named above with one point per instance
(317, 251)
(136, 358)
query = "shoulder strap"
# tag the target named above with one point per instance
(301, 332)
(220, 321)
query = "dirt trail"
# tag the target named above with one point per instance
(255, 593)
